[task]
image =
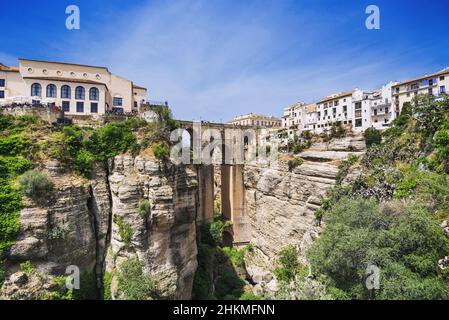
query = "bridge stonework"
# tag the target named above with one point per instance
(231, 202)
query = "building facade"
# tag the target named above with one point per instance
(436, 84)
(258, 120)
(77, 89)
(336, 109)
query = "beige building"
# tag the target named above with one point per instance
(258, 120)
(76, 88)
(436, 84)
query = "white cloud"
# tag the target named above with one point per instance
(213, 60)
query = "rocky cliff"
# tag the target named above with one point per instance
(97, 224)
(281, 203)
(164, 238)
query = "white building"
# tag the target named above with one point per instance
(436, 84)
(373, 109)
(336, 109)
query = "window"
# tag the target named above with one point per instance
(431, 91)
(336, 103)
(94, 94)
(358, 105)
(119, 101)
(442, 89)
(80, 106)
(345, 108)
(414, 86)
(51, 91)
(358, 113)
(79, 93)
(66, 106)
(94, 107)
(2, 82)
(65, 92)
(442, 78)
(2, 94)
(36, 90)
(358, 122)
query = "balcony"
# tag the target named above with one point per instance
(380, 114)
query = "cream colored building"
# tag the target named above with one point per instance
(258, 120)
(436, 84)
(76, 88)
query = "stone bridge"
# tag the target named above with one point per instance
(221, 185)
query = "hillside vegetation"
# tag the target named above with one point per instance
(390, 214)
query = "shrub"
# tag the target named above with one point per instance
(217, 228)
(27, 268)
(250, 296)
(125, 231)
(10, 167)
(293, 163)
(83, 162)
(15, 145)
(441, 145)
(236, 256)
(133, 283)
(107, 280)
(36, 185)
(161, 151)
(403, 241)
(372, 136)
(144, 208)
(288, 264)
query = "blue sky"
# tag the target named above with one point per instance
(214, 59)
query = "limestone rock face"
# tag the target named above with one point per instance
(59, 234)
(62, 231)
(281, 206)
(163, 239)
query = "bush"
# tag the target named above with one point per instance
(293, 163)
(403, 241)
(441, 145)
(144, 208)
(372, 136)
(236, 256)
(10, 167)
(83, 162)
(133, 283)
(217, 228)
(15, 145)
(161, 151)
(36, 185)
(125, 230)
(288, 265)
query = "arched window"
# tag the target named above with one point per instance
(51, 91)
(65, 92)
(79, 93)
(94, 94)
(36, 90)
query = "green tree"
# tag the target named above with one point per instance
(402, 240)
(372, 136)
